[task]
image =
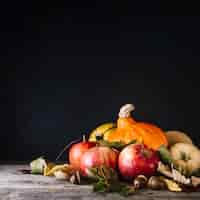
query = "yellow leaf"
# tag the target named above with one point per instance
(47, 168)
(64, 167)
(172, 185)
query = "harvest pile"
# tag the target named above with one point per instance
(127, 156)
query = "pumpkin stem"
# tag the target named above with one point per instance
(125, 110)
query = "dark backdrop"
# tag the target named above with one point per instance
(68, 67)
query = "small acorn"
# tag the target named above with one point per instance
(140, 182)
(155, 183)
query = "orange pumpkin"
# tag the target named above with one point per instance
(128, 129)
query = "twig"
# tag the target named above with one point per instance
(65, 148)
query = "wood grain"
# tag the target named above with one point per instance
(17, 186)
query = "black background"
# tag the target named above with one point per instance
(69, 66)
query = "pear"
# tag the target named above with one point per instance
(174, 137)
(186, 158)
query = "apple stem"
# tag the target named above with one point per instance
(97, 144)
(84, 139)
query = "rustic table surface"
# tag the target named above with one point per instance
(17, 186)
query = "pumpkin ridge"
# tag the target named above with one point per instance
(144, 134)
(157, 134)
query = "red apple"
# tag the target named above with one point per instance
(97, 156)
(77, 151)
(136, 159)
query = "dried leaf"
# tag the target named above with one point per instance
(78, 177)
(72, 179)
(165, 170)
(64, 167)
(173, 173)
(178, 177)
(75, 178)
(172, 185)
(48, 167)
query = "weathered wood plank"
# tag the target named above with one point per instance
(17, 186)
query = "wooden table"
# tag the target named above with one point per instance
(17, 186)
